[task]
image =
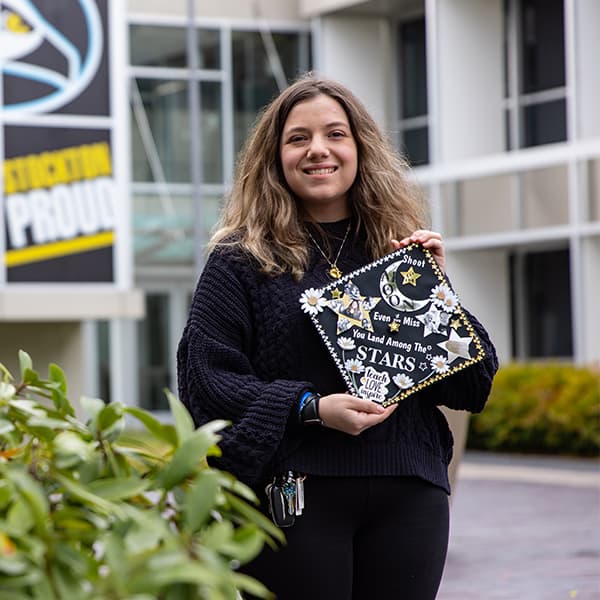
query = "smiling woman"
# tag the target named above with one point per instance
(320, 192)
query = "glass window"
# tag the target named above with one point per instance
(545, 197)
(163, 227)
(534, 60)
(254, 85)
(416, 145)
(542, 279)
(160, 131)
(543, 45)
(154, 353)
(211, 130)
(544, 123)
(209, 49)
(103, 349)
(413, 68)
(157, 46)
(414, 131)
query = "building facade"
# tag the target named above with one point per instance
(493, 101)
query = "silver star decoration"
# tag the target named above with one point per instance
(456, 346)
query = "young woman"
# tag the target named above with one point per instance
(319, 193)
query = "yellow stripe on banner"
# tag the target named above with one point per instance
(14, 258)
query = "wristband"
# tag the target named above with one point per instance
(309, 411)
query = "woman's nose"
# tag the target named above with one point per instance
(317, 148)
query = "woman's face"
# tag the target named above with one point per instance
(319, 157)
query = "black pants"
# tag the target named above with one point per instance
(361, 538)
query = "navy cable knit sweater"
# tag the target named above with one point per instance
(248, 353)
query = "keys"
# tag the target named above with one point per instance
(300, 494)
(289, 491)
(292, 487)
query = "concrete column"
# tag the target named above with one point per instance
(469, 89)
(357, 52)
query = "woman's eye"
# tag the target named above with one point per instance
(337, 134)
(297, 138)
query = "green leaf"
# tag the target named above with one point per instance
(255, 516)
(161, 572)
(48, 423)
(20, 582)
(91, 406)
(7, 390)
(163, 432)
(109, 415)
(82, 493)
(5, 426)
(13, 566)
(70, 449)
(246, 544)
(245, 583)
(118, 488)
(56, 374)
(200, 500)
(59, 394)
(5, 373)
(19, 518)
(66, 582)
(34, 494)
(25, 363)
(184, 425)
(187, 459)
(217, 534)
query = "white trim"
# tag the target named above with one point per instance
(433, 91)
(58, 120)
(227, 108)
(241, 24)
(120, 143)
(516, 161)
(176, 73)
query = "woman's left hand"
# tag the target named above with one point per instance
(428, 239)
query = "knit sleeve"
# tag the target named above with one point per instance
(216, 379)
(469, 389)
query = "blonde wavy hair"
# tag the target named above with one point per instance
(263, 217)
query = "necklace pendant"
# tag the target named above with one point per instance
(335, 272)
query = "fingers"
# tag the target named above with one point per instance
(432, 240)
(351, 414)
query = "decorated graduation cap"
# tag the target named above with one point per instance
(394, 326)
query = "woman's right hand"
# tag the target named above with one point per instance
(350, 414)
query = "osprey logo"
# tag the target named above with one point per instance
(48, 64)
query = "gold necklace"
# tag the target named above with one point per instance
(334, 270)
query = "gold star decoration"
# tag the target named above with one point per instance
(394, 327)
(410, 277)
(455, 324)
(336, 294)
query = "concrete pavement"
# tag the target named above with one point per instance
(524, 528)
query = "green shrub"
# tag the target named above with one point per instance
(89, 513)
(545, 408)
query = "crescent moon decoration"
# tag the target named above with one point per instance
(392, 295)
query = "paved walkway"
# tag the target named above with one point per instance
(524, 528)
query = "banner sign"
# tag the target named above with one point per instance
(393, 326)
(60, 193)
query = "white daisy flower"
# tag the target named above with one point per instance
(354, 365)
(439, 364)
(346, 343)
(444, 297)
(312, 301)
(403, 381)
